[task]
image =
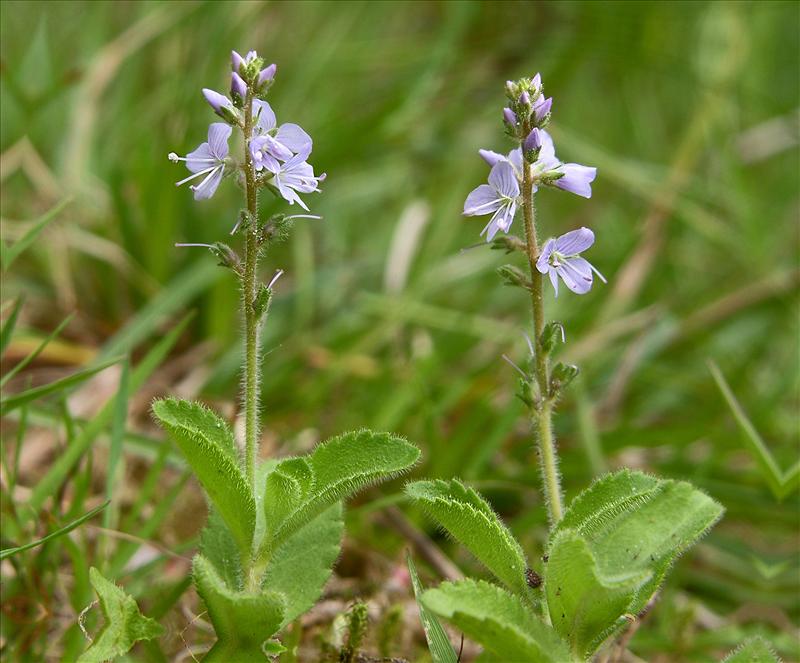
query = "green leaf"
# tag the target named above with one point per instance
(219, 547)
(471, 521)
(780, 483)
(585, 606)
(243, 622)
(302, 565)
(439, 644)
(10, 324)
(208, 446)
(10, 253)
(497, 620)
(15, 400)
(7, 552)
(286, 488)
(753, 650)
(641, 531)
(339, 467)
(124, 624)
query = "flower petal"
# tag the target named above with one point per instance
(515, 159)
(576, 274)
(218, 135)
(554, 279)
(293, 136)
(482, 200)
(491, 157)
(577, 179)
(547, 154)
(575, 241)
(200, 159)
(265, 116)
(542, 263)
(209, 185)
(503, 178)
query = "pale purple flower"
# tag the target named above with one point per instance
(536, 81)
(498, 198)
(207, 161)
(219, 102)
(525, 99)
(267, 74)
(510, 117)
(268, 144)
(541, 107)
(296, 175)
(237, 61)
(560, 258)
(238, 86)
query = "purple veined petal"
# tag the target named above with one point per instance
(507, 216)
(238, 86)
(515, 159)
(216, 100)
(553, 273)
(576, 274)
(503, 178)
(491, 157)
(482, 200)
(577, 179)
(277, 149)
(264, 115)
(289, 194)
(261, 157)
(208, 186)
(575, 241)
(536, 81)
(218, 135)
(547, 153)
(534, 140)
(542, 263)
(293, 136)
(510, 117)
(542, 107)
(200, 159)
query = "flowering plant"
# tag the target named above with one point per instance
(607, 553)
(275, 526)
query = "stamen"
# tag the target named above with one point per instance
(303, 216)
(196, 175)
(208, 177)
(274, 279)
(207, 246)
(174, 158)
(513, 365)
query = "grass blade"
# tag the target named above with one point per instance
(10, 253)
(7, 552)
(22, 364)
(439, 644)
(8, 325)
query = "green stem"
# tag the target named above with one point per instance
(541, 412)
(251, 386)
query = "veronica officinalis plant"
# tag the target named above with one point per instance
(275, 527)
(608, 552)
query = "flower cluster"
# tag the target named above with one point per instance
(526, 117)
(278, 154)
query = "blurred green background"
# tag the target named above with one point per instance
(689, 111)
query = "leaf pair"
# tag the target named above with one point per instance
(611, 551)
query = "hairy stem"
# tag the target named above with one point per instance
(541, 412)
(251, 386)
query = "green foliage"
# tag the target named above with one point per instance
(338, 468)
(124, 624)
(585, 605)
(780, 483)
(497, 620)
(302, 564)
(439, 644)
(613, 547)
(8, 254)
(208, 446)
(754, 650)
(10, 323)
(219, 547)
(244, 622)
(7, 552)
(471, 521)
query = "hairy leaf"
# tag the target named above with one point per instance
(124, 624)
(219, 547)
(439, 644)
(473, 523)
(243, 622)
(753, 650)
(339, 467)
(497, 620)
(585, 606)
(302, 565)
(208, 446)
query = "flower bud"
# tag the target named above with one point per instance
(525, 99)
(510, 117)
(237, 62)
(512, 275)
(507, 243)
(222, 105)
(238, 86)
(561, 376)
(533, 140)
(552, 332)
(536, 81)
(267, 74)
(541, 108)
